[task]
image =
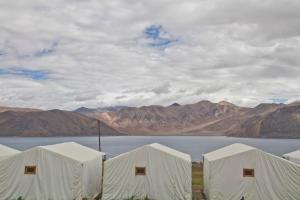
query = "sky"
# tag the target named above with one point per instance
(91, 53)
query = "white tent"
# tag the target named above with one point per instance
(156, 171)
(63, 171)
(240, 172)
(7, 151)
(293, 156)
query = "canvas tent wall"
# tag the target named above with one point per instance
(7, 151)
(63, 171)
(154, 170)
(240, 172)
(293, 156)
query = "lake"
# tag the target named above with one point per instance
(193, 145)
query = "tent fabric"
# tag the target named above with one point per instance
(293, 156)
(7, 151)
(171, 151)
(228, 151)
(168, 174)
(274, 178)
(60, 174)
(68, 149)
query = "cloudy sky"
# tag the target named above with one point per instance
(73, 53)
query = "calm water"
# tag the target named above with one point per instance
(193, 145)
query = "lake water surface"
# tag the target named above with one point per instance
(193, 145)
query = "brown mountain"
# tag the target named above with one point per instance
(207, 118)
(172, 119)
(4, 109)
(244, 124)
(50, 123)
(284, 122)
(202, 118)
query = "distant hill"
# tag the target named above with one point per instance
(206, 118)
(94, 112)
(202, 118)
(50, 123)
(174, 119)
(104, 109)
(4, 109)
(284, 122)
(246, 124)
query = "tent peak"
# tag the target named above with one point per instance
(74, 151)
(7, 151)
(227, 151)
(294, 153)
(161, 148)
(170, 151)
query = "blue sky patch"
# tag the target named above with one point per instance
(27, 73)
(158, 37)
(153, 31)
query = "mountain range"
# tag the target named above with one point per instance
(20, 122)
(202, 118)
(206, 118)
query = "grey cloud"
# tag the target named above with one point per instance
(241, 51)
(211, 88)
(121, 97)
(162, 89)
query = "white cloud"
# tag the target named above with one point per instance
(241, 51)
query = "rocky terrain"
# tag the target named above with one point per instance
(206, 118)
(202, 118)
(50, 123)
(4, 109)
(172, 119)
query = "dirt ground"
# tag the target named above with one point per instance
(197, 181)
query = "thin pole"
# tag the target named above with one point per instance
(99, 134)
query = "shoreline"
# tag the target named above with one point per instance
(214, 136)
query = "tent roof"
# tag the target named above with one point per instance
(74, 151)
(170, 151)
(6, 151)
(294, 154)
(228, 151)
(161, 148)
